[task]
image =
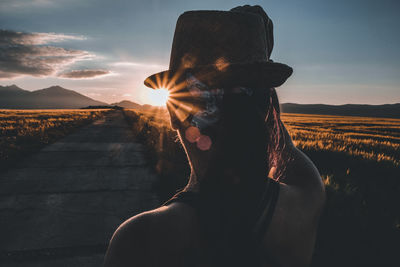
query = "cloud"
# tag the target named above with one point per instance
(35, 38)
(26, 54)
(18, 4)
(82, 74)
(6, 75)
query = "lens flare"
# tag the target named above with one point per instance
(158, 97)
(204, 142)
(192, 134)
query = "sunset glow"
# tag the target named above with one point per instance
(109, 59)
(158, 97)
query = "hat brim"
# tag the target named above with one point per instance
(255, 74)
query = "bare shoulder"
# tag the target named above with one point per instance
(291, 236)
(292, 232)
(149, 237)
(130, 241)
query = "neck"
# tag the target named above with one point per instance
(194, 183)
(230, 179)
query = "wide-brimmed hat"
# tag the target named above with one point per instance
(223, 48)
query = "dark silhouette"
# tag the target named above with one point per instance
(133, 105)
(116, 107)
(252, 198)
(54, 97)
(128, 104)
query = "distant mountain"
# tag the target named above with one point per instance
(11, 89)
(384, 111)
(54, 97)
(133, 105)
(127, 104)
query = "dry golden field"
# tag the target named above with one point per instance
(25, 131)
(376, 139)
(358, 159)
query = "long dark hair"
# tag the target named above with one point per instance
(250, 144)
(250, 140)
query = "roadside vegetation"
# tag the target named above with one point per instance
(358, 158)
(25, 131)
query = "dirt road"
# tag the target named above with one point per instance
(60, 206)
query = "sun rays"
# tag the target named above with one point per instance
(168, 91)
(158, 97)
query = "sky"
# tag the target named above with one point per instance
(342, 52)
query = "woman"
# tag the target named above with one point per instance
(253, 199)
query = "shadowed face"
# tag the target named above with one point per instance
(223, 130)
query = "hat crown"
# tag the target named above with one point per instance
(218, 38)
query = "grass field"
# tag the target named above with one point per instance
(376, 139)
(358, 158)
(25, 131)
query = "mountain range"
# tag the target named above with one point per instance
(56, 97)
(130, 104)
(383, 111)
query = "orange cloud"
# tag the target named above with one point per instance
(82, 74)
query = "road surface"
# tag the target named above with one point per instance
(60, 206)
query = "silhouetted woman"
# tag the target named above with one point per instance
(253, 199)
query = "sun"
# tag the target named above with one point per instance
(158, 97)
